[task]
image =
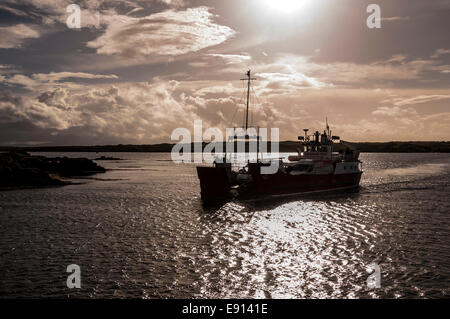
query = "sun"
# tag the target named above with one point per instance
(285, 6)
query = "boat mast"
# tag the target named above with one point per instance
(248, 101)
(249, 79)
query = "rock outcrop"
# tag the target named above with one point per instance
(20, 170)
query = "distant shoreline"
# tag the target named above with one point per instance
(285, 147)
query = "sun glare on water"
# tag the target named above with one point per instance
(285, 6)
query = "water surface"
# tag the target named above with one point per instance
(141, 231)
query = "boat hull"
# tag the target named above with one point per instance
(285, 184)
(216, 186)
(214, 183)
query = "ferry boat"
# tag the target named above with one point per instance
(324, 163)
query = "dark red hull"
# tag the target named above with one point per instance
(285, 184)
(215, 183)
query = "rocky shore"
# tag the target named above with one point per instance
(22, 170)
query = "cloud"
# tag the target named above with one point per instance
(56, 76)
(276, 83)
(12, 10)
(381, 73)
(226, 90)
(22, 80)
(6, 68)
(397, 18)
(129, 112)
(97, 13)
(142, 113)
(440, 52)
(288, 74)
(40, 81)
(175, 3)
(419, 99)
(15, 109)
(138, 112)
(231, 58)
(15, 36)
(168, 33)
(394, 111)
(295, 69)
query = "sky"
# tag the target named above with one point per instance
(137, 70)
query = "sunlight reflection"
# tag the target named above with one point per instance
(285, 251)
(285, 6)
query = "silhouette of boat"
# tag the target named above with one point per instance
(324, 163)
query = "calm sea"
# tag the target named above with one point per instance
(140, 231)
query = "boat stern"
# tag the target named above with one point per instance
(215, 183)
